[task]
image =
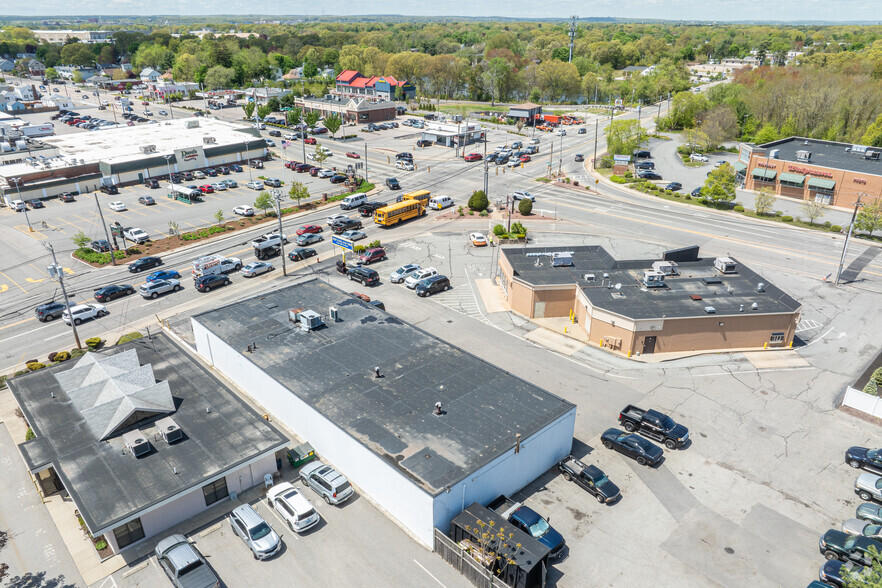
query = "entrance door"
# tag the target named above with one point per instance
(649, 345)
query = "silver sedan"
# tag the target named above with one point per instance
(859, 527)
(256, 268)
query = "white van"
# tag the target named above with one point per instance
(440, 202)
(353, 201)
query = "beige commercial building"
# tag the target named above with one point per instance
(681, 303)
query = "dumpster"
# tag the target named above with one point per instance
(300, 455)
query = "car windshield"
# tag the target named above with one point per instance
(260, 531)
(849, 543)
(874, 454)
(539, 528)
(189, 567)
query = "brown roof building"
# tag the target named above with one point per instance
(680, 303)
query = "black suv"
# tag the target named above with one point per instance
(151, 183)
(206, 283)
(49, 311)
(366, 276)
(144, 263)
(432, 285)
(392, 184)
(345, 224)
(110, 189)
(405, 155)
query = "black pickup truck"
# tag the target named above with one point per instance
(654, 425)
(589, 477)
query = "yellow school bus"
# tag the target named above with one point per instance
(421, 195)
(399, 212)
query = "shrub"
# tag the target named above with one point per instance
(478, 201)
(518, 229)
(629, 175)
(738, 208)
(872, 387)
(101, 545)
(787, 218)
(498, 230)
(471, 213)
(836, 228)
(61, 356)
(3, 382)
(687, 197)
(93, 342)
(618, 179)
(75, 353)
(525, 206)
(29, 434)
(375, 243)
(779, 213)
(484, 213)
(358, 249)
(51, 356)
(129, 337)
(827, 224)
(36, 365)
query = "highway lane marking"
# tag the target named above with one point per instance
(14, 282)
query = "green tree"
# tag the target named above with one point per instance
(764, 200)
(720, 184)
(320, 154)
(78, 77)
(219, 77)
(81, 240)
(249, 107)
(766, 134)
(624, 136)
(873, 135)
(869, 577)
(333, 123)
(263, 111)
(312, 117)
(813, 210)
(478, 201)
(869, 217)
(77, 54)
(219, 217)
(51, 73)
(685, 108)
(497, 78)
(264, 201)
(310, 70)
(525, 206)
(298, 192)
(293, 116)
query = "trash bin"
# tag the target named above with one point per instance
(325, 197)
(300, 455)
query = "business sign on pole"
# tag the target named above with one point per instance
(626, 159)
(340, 241)
(619, 103)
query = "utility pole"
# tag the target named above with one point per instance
(365, 162)
(56, 271)
(550, 158)
(596, 132)
(277, 196)
(486, 170)
(848, 238)
(106, 234)
(560, 160)
(572, 36)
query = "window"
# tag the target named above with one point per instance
(776, 338)
(128, 533)
(215, 491)
(822, 198)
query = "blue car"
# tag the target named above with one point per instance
(834, 571)
(164, 275)
(530, 521)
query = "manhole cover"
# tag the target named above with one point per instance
(729, 550)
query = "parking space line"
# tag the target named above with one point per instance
(71, 224)
(36, 235)
(430, 573)
(86, 220)
(14, 282)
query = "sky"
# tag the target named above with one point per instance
(713, 10)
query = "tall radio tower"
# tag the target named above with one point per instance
(572, 36)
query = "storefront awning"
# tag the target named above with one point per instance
(797, 179)
(821, 183)
(764, 174)
(739, 167)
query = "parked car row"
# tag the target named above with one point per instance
(423, 281)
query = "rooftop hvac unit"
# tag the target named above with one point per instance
(872, 155)
(308, 319)
(332, 312)
(668, 268)
(652, 279)
(710, 309)
(561, 258)
(725, 265)
(21, 145)
(803, 155)
(5, 147)
(170, 430)
(192, 123)
(137, 443)
(145, 149)
(773, 154)
(209, 140)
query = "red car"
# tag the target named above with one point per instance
(206, 189)
(353, 155)
(310, 140)
(524, 158)
(145, 103)
(309, 229)
(290, 164)
(473, 157)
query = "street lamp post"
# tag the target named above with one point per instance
(106, 234)
(18, 189)
(277, 196)
(56, 271)
(848, 237)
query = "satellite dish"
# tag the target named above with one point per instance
(618, 286)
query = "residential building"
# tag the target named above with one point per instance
(680, 303)
(148, 74)
(419, 426)
(6, 65)
(353, 84)
(263, 95)
(141, 437)
(58, 101)
(828, 172)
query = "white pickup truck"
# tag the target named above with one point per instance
(136, 235)
(215, 264)
(269, 240)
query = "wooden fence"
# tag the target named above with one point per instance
(464, 563)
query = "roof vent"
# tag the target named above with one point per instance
(137, 443)
(170, 430)
(209, 140)
(695, 297)
(561, 258)
(760, 287)
(588, 277)
(773, 154)
(710, 309)
(754, 306)
(712, 280)
(146, 149)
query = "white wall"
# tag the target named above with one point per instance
(510, 472)
(403, 500)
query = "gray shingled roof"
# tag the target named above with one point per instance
(108, 390)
